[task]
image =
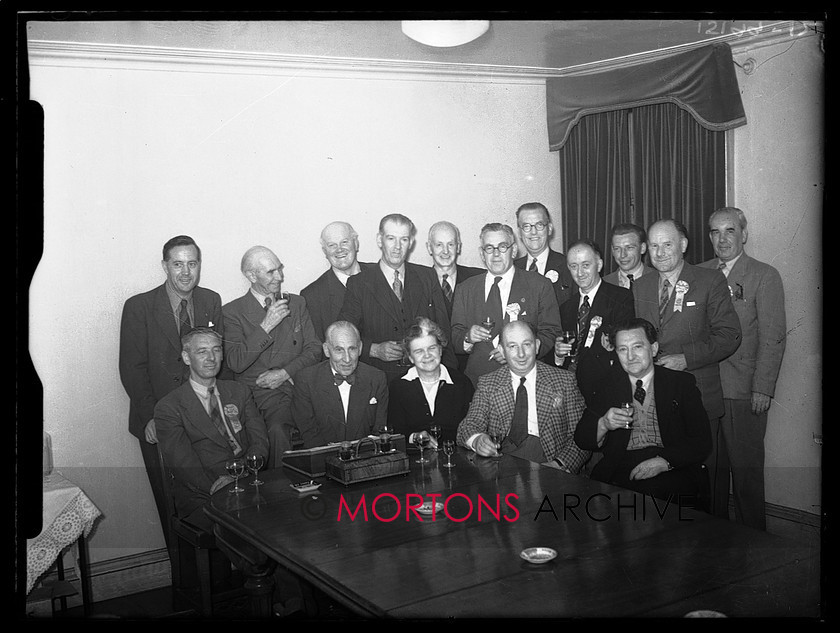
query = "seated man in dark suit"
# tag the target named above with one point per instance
(658, 445)
(204, 423)
(526, 408)
(339, 398)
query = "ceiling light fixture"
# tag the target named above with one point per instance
(443, 33)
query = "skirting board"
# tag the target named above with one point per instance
(150, 570)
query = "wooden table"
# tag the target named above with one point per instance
(619, 553)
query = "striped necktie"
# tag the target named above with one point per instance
(630, 279)
(184, 318)
(397, 285)
(583, 316)
(447, 289)
(663, 299)
(221, 424)
(533, 267)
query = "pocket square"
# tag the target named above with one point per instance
(373, 400)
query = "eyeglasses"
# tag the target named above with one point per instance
(539, 226)
(501, 248)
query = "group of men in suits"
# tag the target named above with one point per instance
(306, 359)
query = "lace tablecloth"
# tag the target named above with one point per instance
(68, 514)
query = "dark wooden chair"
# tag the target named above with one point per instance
(193, 545)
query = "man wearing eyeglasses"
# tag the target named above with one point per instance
(535, 231)
(484, 304)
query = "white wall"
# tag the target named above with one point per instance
(779, 184)
(136, 154)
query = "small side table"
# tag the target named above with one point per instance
(68, 517)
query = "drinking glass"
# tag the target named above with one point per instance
(628, 408)
(488, 323)
(236, 468)
(569, 336)
(448, 450)
(498, 438)
(345, 452)
(255, 462)
(435, 430)
(422, 440)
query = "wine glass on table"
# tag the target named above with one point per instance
(435, 431)
(236, 468)
(449, 450)
(422, 438)
(255, 462)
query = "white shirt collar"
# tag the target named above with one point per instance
(507, 277)
(730, 264)
(636, 272)
(412, 374)
(451, 278)
(542, 261)
(259, 296)
(646, 380)
(591, 294)
(389, 272)
(530, 378)
(200, 389)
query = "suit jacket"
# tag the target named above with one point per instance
(612, 278)
(538, 307)
(249, 350)
(706, 330)
(324, 298)
(463, 273)
(612, 304)
(150, 348)
(562, 282)
(194, 449)
(759, 299)
(408, 409)
(319, 414)
(370, 305)
(559, 407)
(683, 423)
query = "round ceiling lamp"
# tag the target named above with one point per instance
(445, 32)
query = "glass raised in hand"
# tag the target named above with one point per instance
(488, 323)
(422, 439)
(629, 409)
(497, 439)
(449, 450)
(236, 468)
(570, 336)
(255, 462)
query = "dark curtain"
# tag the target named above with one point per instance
(638, 166)
(595, 178)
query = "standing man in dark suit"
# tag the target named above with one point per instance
(532, 409)
(325, 296)
(506, 294)
(590, 313)
(204, 423)
(384, 299)
(340, 398)
(698, 328)
(748, 377)
(658, 446)
(269, 337)
(151, 364)
(535, 230)
(628, 248)
(444, 245)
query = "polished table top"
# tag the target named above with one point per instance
(618, 553)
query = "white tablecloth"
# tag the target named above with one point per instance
(68, 513)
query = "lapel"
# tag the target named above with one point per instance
(201, 309)
(687, 275)
(359, 398)
(504, 398)
(737, 277)
(199, 417)
(335, 292)
(544, 389)
(413, 296)
(519, 293)
(665, 404)
(381, 290)
(166, 319)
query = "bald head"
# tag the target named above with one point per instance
(340, 244)
(519, 346)
(444, 244)
(342, 347)
(263, 269)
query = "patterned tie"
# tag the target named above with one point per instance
(184, 318)
(493, 306)
(221, 424)
(397, 285)
(639, 394)
(268, 302)
(583, 316)
(722, 268)
(447, 289)
(630, 279)
(348, 379)
(533, 267)
(519, 425)
(663, 299)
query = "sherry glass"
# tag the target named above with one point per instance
(422, 440)
(498, 438)
(435, 430)
(255, 462)
(488, 323)
(236, 468)
(448, 450)
(629, 409)
(569, 336)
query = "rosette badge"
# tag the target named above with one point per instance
(552, 275)
(231, 411)
(681, 288)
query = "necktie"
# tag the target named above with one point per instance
(533, 267)
(184, 318)
(519, 425)
(493, 307)
(583, 316)
(663, 299)
(722, 268)
(639, 394)
(630, 279)
(348, 379)
(221, 424)
(447, 289)
(397, 285)
(268, 302)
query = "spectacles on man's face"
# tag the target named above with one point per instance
(539, 226)
(501, 248)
